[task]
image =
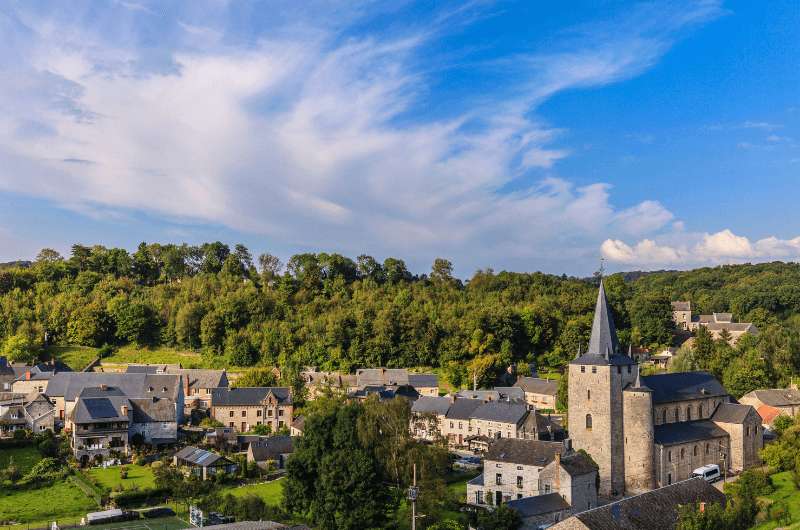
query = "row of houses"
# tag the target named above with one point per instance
(715, 323)
(387, 382)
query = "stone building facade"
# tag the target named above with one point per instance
(243, 408)
(649, 431)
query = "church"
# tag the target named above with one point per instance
(646, 432)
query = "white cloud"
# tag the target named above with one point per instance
(303, 139)
(700, 249)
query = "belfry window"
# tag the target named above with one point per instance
(664, 416)
(588, 394)
(677, 414)
(589, 422)
(689, 413)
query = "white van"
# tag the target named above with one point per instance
(710, 472)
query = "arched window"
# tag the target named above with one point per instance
(588, 394)
(589, 422)
(677, 414)
(664, 416)
(706, 447)
(700, 411)
(683, 453)
(694, 451)
(669, 456)
(689, 413)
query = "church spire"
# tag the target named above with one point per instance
(604, 335)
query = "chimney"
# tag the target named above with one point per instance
(103, 387)
(557, 488)
(27, 375)
(702, 507)
(186, 384)
(124, 410)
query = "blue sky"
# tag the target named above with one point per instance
(512, 135)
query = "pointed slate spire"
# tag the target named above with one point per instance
(604, 335)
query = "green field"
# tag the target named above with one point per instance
(786, 492)
(24, 458)
(162, 523)
(132, 354)
(62, 502)
(270, 492)
(109, 478)
(76, 357)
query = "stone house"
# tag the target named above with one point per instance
(767, 401)
(155, 420)
(539, 393)
(197, 383)
(243, 408)
(425, 384)
(428, 416)
(682, 315)
(202, 463)
(716, 323)
(101, 420)
(573, 476)
(33, 412)
(317, 383)
(456, 426)
(275, 449)
(656, 509)
(541, 511)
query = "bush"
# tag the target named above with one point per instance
(157, 464)
(123, 472)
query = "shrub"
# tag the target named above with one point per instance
(123, 472)
(157, 464)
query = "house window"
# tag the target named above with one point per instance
(479, 497)
(231, 425)
(594, 369)
(519, 481)
(589, 422)
(244, 414)
(258, 413)
(451, 424)
(231, 414)
(269, 413)
(583, 369)
(588, 394)
(280, 412)
(519, 495)
(547, 488)
(619, 369)
(460, 426)
(748, 431)
(498, 479)
(150, 389)
(519, 468)
(164, 389)
(258, 422)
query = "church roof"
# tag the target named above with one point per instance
(731, 413)
(687, 431)
(603, 343)
(682, 386)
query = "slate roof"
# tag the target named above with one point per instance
(603, 344)
(299, 423)
(681, 386)
(731, 413)
(523, 452)
(500, 411)
(577, 463)
(199, 457)
(423, 380)
(100, 409)
(687, 431)
(381, 376)
(202, 378)
(731, 326)
(271, 447)
(462, 409)
(538, 505)
(153, 410)
(776, 397)
(69, 385)
(681, 306)
(252, 395)
(648, 511)
(431, 405)
(534, 385)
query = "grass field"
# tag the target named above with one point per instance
(132, 354)
(62, 502)
(24, 458)
(109, 478)
(786, 492)
(270, 492)
(162, 523)
(76, 357)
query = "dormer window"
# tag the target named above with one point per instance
(150, 389)
(164, 389)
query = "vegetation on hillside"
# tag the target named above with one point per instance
(333, 312)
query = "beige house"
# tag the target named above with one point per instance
(716, 323)
(197, 383)
(540, 393)
(33, 412)
(773, 402)
(245, 407)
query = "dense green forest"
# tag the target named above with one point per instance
(334, 312)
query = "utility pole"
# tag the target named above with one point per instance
(413, 491)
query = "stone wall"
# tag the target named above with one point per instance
(676, 462)
(688, 410)
(639, 439)
(746, 441)
(276, 416)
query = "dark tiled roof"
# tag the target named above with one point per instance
(577, 463)
(462, 409)
(200, 457)
(776, 397)
(535, 385)
(655, 509)
(69, 385)
(603, 343)
(100, 409)
(299, 423)
(681, 306)
(524, 452)
(202, 378)
(433, 405)
(271, 447)
(423, 380)
(501, 411)
(152, 410)
(683, 386)
(381, 376)
(248, 395)
(687, 431)
(538, 505)
(731, 413)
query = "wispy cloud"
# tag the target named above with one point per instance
(303, 136)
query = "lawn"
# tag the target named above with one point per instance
(76, 357)
(109, 478)
(24, 458)
(271, 492)
(786, 492)
(62, 502)
(132, 354)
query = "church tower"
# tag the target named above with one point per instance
(637, 404)
(596, 382)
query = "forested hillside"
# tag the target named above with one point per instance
(337, 313)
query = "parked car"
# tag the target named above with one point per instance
(710, 473)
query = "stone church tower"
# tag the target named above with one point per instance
(637, 406)
(596, 383)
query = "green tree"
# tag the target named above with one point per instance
(747, 372)
(20, 349)
(501, 518)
